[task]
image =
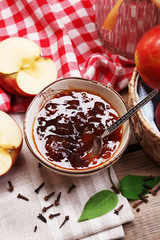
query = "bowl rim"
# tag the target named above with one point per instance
(78, 172)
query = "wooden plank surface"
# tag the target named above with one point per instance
(147, 222)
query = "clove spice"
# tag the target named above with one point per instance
(22, 197)
(155, 189)
(71, 188)
(142, 197)
(143, 192)
(39, 165)
(35, 228)
(148, 178)
(66, 219)
(57, 200)
(136, 204)
(46, 208)
(54, 215)
(115, 189)
(116, 211)
(147, 186)
(11, 187)
(47, 197)
(42, 218)
(37, 189)
(138, 210)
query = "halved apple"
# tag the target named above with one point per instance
(22, 69)
(10, 142)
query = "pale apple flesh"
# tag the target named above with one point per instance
(30, 81)
(17, 52)
(22, 70)
(10, 142)
(5, 161)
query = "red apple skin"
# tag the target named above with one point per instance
(157, 115)
(9, 83)
(147, 57)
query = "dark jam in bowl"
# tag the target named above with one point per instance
(66, 125)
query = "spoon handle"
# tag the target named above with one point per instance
(127, 115)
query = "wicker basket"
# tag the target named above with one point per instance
(146, 135)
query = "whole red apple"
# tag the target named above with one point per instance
(147, 57)
(157, 115)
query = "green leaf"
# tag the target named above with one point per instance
(132, 185)
(98, 205)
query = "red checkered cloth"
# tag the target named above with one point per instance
(66, 32)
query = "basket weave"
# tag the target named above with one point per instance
(146, 135)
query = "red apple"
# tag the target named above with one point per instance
(10, 142)
(147, 57)
(157, 115)
(22, 69)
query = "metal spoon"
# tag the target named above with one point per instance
(98, 140)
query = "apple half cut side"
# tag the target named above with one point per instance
(22, 69)
(10, 142)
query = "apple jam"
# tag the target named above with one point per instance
(66, 125)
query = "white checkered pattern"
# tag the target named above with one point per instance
(66, 32)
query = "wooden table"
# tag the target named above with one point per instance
(147, 222)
